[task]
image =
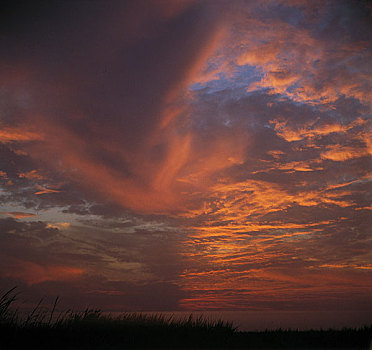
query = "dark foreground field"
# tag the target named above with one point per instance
(47, 329)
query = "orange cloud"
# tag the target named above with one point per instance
(34, 273)
(310, 130)
(260, 197)
(196, 72)
(232, 288)
(275, 153)
(293, 61)
(232, 236)
(154, 175)
(59, 225)
(346, 266)
(18, 214)
(160, 186)
(18, 134)
(31, 175)
(339, 153)
(43, 190)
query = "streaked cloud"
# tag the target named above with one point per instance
(18, 214)
(9, 134)
(33, 273)
(43, 190)
(341, 153)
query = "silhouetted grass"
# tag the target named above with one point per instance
(90, 329)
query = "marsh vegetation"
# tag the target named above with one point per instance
(51, 328)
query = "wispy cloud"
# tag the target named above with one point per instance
(44, 190)
(18, 214)
(14, 134)
(34, 273)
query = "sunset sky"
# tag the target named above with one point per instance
(188, 155)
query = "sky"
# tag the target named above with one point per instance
(160, 155)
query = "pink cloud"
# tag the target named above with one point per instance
(34, 273)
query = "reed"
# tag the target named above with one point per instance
(44, 328)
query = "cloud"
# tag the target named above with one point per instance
(59, 225)
(304, 64)
(150, 158)
(8, 134)
(263, 268)
(215, 152)
(91, 258)
(34, 273)
(43, 190)
(136, 158)
(18, 214)
(308, 52)
(314, 128)
(33, 174)
(341, 153)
